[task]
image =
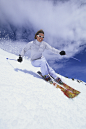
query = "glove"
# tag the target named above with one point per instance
(62, 53)
(20, 59)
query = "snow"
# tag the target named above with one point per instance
(28, 102)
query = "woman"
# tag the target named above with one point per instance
(37, 47)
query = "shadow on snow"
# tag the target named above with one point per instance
(28, 72)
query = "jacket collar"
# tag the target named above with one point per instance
(37, 42)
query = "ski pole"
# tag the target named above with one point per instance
(76, 59)
(11, 59)
(9, 63)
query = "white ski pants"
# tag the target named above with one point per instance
(45, 68)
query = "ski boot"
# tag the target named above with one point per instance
(47, 78)
(58, 80)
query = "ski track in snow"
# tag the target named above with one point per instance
(28, 102)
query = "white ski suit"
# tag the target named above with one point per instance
(37, 59)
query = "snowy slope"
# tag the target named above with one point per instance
(28, 102)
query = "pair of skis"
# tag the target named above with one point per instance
(67, 90)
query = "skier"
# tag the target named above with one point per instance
(37, 60)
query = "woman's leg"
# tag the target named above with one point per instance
(42, 64)
(45, 68)
(51, 72)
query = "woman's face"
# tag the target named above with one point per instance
(40, 37)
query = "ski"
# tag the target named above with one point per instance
(68, 87)
(66, 92)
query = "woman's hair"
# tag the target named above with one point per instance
(40, 31)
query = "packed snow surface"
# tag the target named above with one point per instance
(28, 102)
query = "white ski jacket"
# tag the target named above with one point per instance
(37, 48)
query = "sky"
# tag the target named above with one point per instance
(29, 102)
(64, 24)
